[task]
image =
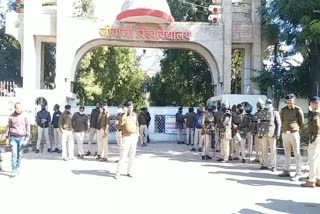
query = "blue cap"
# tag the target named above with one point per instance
(67, 106)
(315, 99)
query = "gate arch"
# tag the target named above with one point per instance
(203, 51)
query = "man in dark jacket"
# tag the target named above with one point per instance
(56, 131)
(190, 118)
(94, 117)
(148, 123)
(43, 120)
(143, 130)
(80, 127)
(179, 125)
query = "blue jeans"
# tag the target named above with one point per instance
(17, 151)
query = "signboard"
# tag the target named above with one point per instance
(170, 124)
(138, 32)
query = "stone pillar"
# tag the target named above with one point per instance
(256, 46)
(227, 49)
(29, 54)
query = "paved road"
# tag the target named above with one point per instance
(167, 179)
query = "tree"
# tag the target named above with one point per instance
(112, 74)
(296, 23)
(10, 55)
(184, 78)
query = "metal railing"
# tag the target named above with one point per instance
(8, 88)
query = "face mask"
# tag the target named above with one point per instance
(81, 112)
(268, 106)
(43, 109)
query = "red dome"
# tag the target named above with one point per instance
(145, 11)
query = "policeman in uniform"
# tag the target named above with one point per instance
(249, 123)
(239, 125)
(208, 129)
(269, 131)
(292, 120)
(255, 127)
(314, 146)
(225, 133)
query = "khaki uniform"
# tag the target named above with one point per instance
(130, 133)
(208, 129)
(225, 134)
(190, 117)
(292, 121)
(314, 146)
(217, 118)
(269, 131)
(257, 139)
(102, 134)
(241, 122)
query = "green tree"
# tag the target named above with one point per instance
(194, 11)
(297, 24)
(110, 74)
(185, 78)
(10, 55)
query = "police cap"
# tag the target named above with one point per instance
(315, 99)
(67, 106)
(290, 97)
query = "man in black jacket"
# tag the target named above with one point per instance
(94, 117)
(56, 147)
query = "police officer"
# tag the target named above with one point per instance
(65, 126)
(225, 135)
(269, 130)
(292, 120)
(255, 127)
(249, 118)
(239, 125)
(179, 125)
(198, 136)
(314, 146)
(56, 131)
(207, 129)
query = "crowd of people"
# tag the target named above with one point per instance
(68, 127)
(236, 131)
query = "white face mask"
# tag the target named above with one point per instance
(268, 106)
(81, 112)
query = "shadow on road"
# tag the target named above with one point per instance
(103, 173)
(248, 174)
(285, 206)
(253, 182)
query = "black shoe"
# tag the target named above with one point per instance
(273, 169)
(187, 144)
(208, 157)
(37, 151)
(220, 159)
(80, 156)
(96, 153)
(203, 157)
(88, 153)
(49, 150)
(263, 168)
(55, 150)
(144, 145)
(284, 174)
(255, 161)
(243, 160)
(199, 150)
(98, 157)
(230, 158)
(59, 151)
(129, 175)
(236, 158)
(193, 150)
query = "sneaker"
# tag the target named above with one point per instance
(199, 150)
(99, 157)
(284, 174)
(208, 157)
(37, 151)
(88, 153)
(263, 168)
(236, 158)
(55, 150)
(296, 177)
(230, 158)
(193, 150)
(65, 159)
(273, 169)
(49, 151)
(220, 160)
